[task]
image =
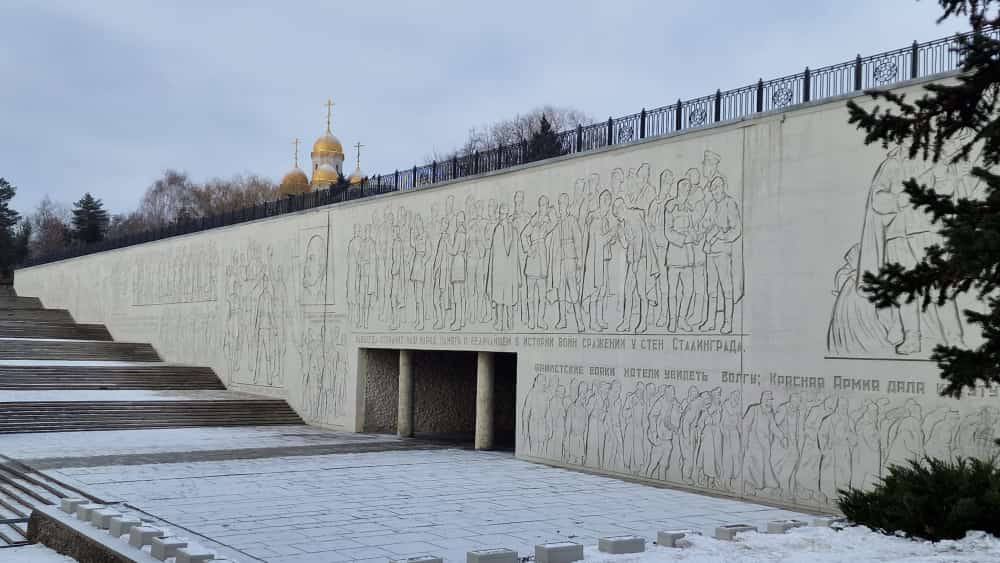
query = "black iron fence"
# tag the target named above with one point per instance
(863, 73)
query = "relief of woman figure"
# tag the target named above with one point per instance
(502, 282)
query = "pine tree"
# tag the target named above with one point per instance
(8, 219)
(90, 219)
(956, 124)
(544, 143)
(22, 242)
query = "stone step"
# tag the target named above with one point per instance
(62, 416)
(20, 302)
(7, 291)
(37, 378)
(13, 349)
(26, 329)
(36, 315)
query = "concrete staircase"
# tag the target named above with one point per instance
(60, 376)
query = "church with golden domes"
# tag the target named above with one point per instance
(327, 165)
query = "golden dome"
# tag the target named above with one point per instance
(294, 183)
(327, 145)
(356, 177)
(324, 176)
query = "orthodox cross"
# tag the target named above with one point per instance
(358, 147)
(329, 110)
(296, 143)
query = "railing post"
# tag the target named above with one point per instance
(718, 104)
(806, 85)
(678, 116)
(397, 180)
(611, 131)
(579, 137)
(475, 163)
(760, 95)
(642, 124)
(914, 60)
(857, 72)
(434, 171)
(413, 178)
(454, 167)
(524, 151)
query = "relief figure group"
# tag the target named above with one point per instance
(803, 446)
(620, 255)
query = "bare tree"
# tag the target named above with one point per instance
(167, 200)
(517, 129)
(174, 197)
(49, 227)
(220, 195)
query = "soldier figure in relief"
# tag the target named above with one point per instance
(723, 228)
(567, 264)
(536, 262)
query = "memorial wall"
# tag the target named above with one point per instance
(683, 310)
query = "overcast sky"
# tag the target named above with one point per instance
(102, 96)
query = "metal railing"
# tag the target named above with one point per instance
(863, 73)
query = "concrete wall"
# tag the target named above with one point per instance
(683, 310)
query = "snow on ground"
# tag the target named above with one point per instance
(819, 545)
(77, 363)
(46, 339)
(120, 442)
(35, 553)
(61, 395)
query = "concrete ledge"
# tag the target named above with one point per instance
(498, 555)
(74, 538)
(729, 531)
(618, 545)
(559, 552)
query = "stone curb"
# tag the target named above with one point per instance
(96, 533)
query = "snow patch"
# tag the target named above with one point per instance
(818, 545)
(35, 553)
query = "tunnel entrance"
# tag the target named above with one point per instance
(444, 398)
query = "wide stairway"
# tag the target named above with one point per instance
(58, 376)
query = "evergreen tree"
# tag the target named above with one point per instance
(544, 143)
(8, 219)
(22, 241)
(90, 219)
(956, 124)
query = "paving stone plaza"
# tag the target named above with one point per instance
(365, 506)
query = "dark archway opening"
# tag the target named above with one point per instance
(444, 395)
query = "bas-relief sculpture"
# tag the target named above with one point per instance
(637, 250)
(894, 231)
(282, 327)
(638, 244)
(801, 447)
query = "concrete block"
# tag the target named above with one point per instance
(118, 525)
(499, 555)
(84, 511)
(729, 531)
(193, 555)
(830, 522)
(618, 545)
(164, 548)
(670, 538)
(101, 518)
(141, 536)
(418, 559)
(69, 505)
(782, 526)
(558, 552)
